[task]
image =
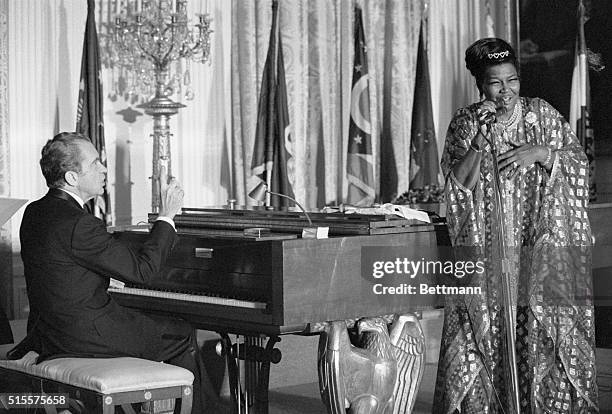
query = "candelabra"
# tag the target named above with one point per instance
(148, 38)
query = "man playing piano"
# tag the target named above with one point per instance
(69, 258)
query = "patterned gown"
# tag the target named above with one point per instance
(547, 243)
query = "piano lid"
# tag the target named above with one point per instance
(192, 219)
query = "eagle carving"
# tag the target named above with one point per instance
(378, 375)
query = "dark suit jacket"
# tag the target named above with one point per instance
(68, 259)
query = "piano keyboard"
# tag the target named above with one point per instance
(186, 297)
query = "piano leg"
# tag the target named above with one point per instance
(253, 396)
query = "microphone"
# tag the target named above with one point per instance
(491, 117)
(310, 232)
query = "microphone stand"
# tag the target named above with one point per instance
(260, 192)
(310, 232)
(296, 203)
(509, 317)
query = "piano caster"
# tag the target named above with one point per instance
(249, 390)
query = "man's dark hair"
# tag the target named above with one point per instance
(485, 53)
(60, 155)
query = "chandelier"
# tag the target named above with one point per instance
(150, 48)
(150, 36)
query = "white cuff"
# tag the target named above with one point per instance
(167, 220)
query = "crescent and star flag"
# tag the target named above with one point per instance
(271, 161)
(424, 162)
(90, 121)
(580, 104)
(360, 162)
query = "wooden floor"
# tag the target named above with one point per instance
(304, 398)
(294, 388)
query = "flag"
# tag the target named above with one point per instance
(90, 121)
(272, 162)
(580, 103)
(360, 162)
(424, 168)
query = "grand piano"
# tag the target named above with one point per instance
(250, 273)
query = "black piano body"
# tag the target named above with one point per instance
(277, 283)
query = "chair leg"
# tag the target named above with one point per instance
(187, 400)
(108, 409)
(127, 409)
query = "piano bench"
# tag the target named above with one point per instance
(107, 381)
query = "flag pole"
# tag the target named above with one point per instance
(275, 34)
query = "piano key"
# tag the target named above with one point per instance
(189, 297)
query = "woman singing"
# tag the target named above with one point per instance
(533, 215)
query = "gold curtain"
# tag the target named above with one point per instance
(212, 146)
(317, 41)
(452, 27)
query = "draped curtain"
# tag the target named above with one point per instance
(317, 41)
(4, 122)
(5, 230)
(45, 41)
(40, 55)
(453, 26)
(213, 135)
(200, 145)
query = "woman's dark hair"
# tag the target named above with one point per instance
(60, 155)
(488, 52)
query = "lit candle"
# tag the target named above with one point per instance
(138, 6)
(117, 6)
(173, 6)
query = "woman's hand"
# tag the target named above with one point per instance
(486, 112)
(486, 116)
(511, 162)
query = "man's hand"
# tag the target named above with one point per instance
(170, 194)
